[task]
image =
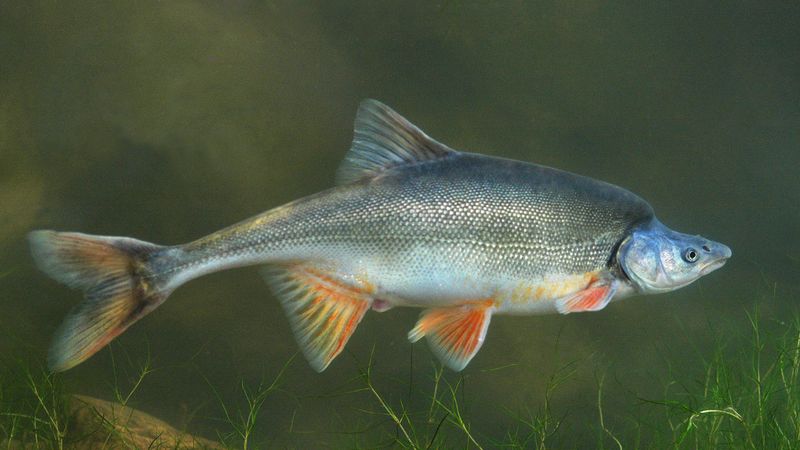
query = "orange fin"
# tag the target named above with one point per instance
(322, 309)
(115, 274)
(455, 333)
(594, 298)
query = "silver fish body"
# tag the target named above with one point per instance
(466, 226)
(411, 223)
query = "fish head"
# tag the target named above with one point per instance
(657, 259)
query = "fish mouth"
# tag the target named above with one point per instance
(723, 253)
(710, 267)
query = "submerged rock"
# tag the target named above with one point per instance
(99, 424)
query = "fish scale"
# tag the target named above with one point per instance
(468, 213)
(410, 223)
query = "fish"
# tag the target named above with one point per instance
(410, 222)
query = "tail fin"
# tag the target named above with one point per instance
(115, 275)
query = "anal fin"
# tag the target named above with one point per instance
(593, 298)
(455, 333)
(323, 311)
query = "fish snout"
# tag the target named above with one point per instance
(717, 255)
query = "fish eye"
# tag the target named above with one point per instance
(690, 255)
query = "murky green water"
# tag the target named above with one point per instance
(166, 121)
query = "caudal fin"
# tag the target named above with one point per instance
(116, 277)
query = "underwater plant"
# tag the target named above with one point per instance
(749, 399)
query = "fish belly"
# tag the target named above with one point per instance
(415, 277)
(438, 277)
(541, 296)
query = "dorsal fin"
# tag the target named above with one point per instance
(384, 139)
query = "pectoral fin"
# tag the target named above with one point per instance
(594, 298)
(455, 333)
(323, 311)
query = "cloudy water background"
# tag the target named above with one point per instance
(166, 121)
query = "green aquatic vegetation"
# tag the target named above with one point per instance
(134, 371)
(746, 396)
(33, 406)
(531, 429)
(433, 426)
(435, 414)
(38, 411)
(116, 426)
(241, 423)
(750, 399)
